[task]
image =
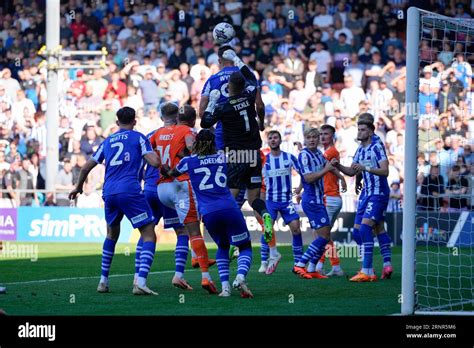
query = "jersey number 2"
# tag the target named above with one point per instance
(220, 178)
(115, 161)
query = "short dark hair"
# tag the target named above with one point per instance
(274, 132)
(237, 80)
(186, 113)
(366, 117)
(169, 110)
(126, 115)
(222, 49)
(329, 128)
(366, 123)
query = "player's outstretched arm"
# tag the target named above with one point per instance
(343, 180)
(85, 170)
(153, 159)
(350, 171)
(310, 178)
(382, 171)
(210, 117)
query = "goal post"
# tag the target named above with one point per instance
(438, 237)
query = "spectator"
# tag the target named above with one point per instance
(89, 198)
(395, 201)
(351, 96)
(177, 88)
(457, 188)
(150, 92)
(90, 141)
(26, 182)
(64, 184)
(431, 189)
(294, 65)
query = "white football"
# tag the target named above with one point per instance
(223, 33)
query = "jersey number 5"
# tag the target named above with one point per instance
(220, 178)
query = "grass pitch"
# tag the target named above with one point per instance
(63, 281)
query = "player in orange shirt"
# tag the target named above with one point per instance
(173, 142)
(332, 200)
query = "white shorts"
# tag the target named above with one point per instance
(179, 195)
(333, 207)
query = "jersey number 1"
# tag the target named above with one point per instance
(246, 118)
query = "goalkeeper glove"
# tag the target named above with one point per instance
(231, 55)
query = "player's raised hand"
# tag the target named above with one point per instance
(229, 55)
(73, 194)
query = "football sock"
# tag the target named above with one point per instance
(181, 254)
(222, 259)
(311, 267)
(108, 251)
(315, 250)
(368, 246)
(356, 236)
(385, 249)
(245, 260)
(333, 257)
(297, 247)
(137, 256)
(197, 243)
(319, 266)
(146, 260)
(273, 252)
(193, 254)
(259, 206)
(264, 250)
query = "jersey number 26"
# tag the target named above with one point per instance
(220, 178)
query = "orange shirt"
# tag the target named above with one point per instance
(168, 142)
(331, 181)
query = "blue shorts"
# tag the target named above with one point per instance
(286, 210)
(170, 216)
(371, 207)
(133, 205)
(317, 214)
(227, 227)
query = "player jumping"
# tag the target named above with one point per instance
(123, 153)
(241, 136)
(221, 215)
(370, 160)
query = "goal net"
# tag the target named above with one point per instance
(440, 105)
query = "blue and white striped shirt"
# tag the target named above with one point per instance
(277, 174)
(312, 162)
(371, 156)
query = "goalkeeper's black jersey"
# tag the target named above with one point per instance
(239, 119)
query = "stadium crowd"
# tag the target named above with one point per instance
(319, 62)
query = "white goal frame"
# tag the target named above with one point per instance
(408, 294)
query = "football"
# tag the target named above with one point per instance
(223, 33)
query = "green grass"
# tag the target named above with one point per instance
(282, 293)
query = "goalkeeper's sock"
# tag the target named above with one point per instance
(297, 247)
(108, 251)
(259, 206)
(223, 261)
(315, 250)
(385, 249)
(264, 250)
(146, 260)
(137, 256)
(368, 246)
(181, 254)
(356, 235)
